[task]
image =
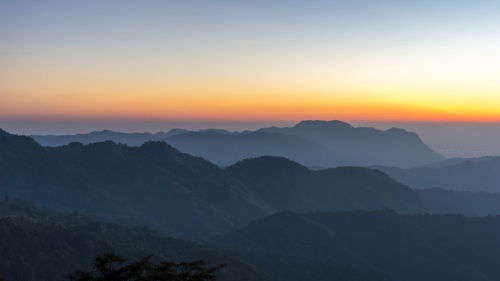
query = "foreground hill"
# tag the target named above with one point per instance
(287, 185)
(475, 174)
(311, 143)
(43, 245)
(155, 182)
(290, 246)
(290, 186)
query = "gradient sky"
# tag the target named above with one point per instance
(247, 61)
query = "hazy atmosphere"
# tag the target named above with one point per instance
(194, 140)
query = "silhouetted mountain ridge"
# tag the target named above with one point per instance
(312, 143)
(179, 192)
(361, 146)
(155, 184)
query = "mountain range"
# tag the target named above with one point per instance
(311, 143)
(154, 182)
(156, 185)
(268, 217)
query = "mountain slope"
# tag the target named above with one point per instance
(290, 246)
(44, 245)
(290, 186)
(477, 174)
(153, 182)
(400, 247)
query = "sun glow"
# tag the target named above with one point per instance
(320, 65)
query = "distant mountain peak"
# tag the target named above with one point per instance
(105, 131)
(176, 131)
(269, 163)
(321, 123)
(74, 144)
(399, 131)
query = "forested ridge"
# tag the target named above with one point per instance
(46, 245)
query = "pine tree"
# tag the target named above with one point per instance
(110, 267)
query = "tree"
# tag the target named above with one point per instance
(110, 267)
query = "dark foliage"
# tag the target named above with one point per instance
(110, 267)
(43, 245)
(381, 244)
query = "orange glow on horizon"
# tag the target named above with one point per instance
(278, 109)
(170, 61)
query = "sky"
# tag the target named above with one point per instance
(250, 60)
(428, 66)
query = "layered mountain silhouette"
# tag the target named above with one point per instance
(462, 174)
(156, 185)
(227, 149)
(131, 139)
(45, 245)
(288, 221)
(381, 245)
(311, 143)
(178, 192)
